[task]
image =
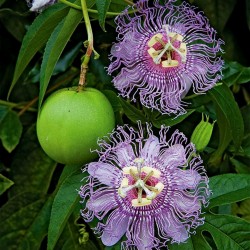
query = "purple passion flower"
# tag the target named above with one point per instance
(161, 52)
(148, 188)
(40, 5)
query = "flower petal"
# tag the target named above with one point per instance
(102, 200)
(174, 156)
(141, 233)
(170, 227)
(186, 204)
(125, 155)
(104, 172)
(115, 228)
(151, 148)
(187, 179)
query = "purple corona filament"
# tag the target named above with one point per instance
(147, 188)
(162, 51)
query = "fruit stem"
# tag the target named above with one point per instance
(90, 49)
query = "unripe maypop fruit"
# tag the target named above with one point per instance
(202, 134)
(70, 123)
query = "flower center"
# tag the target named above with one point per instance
(168, 49)
(143, 180)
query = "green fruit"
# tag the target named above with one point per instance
(70, 123)
(202, 134)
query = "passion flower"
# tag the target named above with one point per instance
(149, 188)
(163, 51)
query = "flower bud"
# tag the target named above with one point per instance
(202, 134)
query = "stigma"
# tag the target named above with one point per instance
(140, 182)
(167, 49)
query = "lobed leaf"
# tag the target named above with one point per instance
(228, 232)
(229, 188)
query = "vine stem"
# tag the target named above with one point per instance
(128, 2)
(86, 59)
(78, 7)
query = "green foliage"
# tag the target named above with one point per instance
(10, 129)
(65, 201)
(102, 7)
(54, 47)
(41, 52)
(5, 184)
(36, 37)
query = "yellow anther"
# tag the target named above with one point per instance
(169, 63)
(126, 170)
(124, 182)
(183, 48)
(175, 36)
(147, 170)
(144, 202)
(153, 39)
(159, 186)
(153, 53)
(151, 196)
(122, 193)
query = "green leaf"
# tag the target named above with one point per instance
(31, 168)
(14, 22)
(19, 218)
(228, 232)
(229, 188)
(10, 130)
(3, 112)
(218, 12)
(171, 121)
(242, 209)
(132, 112)
(235, 73)
(38, 229)
(245, 111)
(229, 118)
(36, 37)
(64, 203)
(5, 184)
(113, 99)
(102, 7)
(55, 46)
(240, 167)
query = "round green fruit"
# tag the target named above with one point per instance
(70, 123)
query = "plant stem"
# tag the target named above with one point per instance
(84, 65)
(78, 7)
(75, 6)
(129, 2)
